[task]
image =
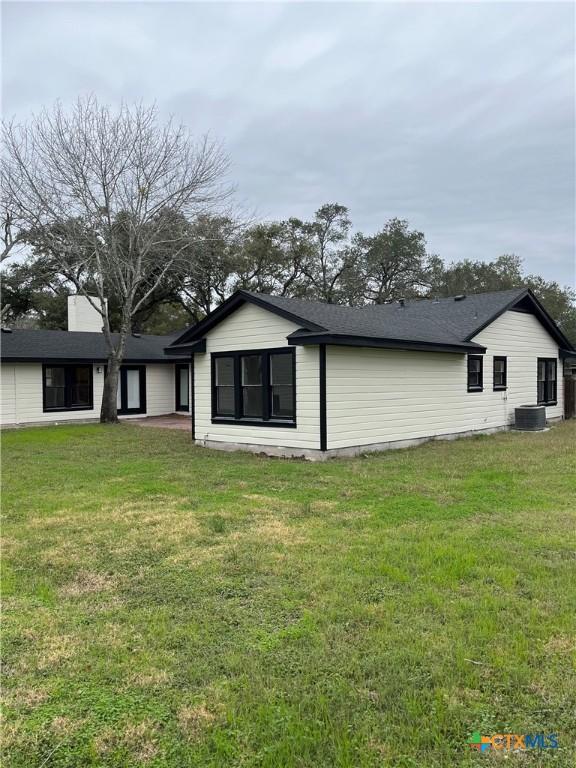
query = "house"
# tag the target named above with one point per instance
(56, 376)
(297, 378)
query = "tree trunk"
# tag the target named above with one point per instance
(109, 409)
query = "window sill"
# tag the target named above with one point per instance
(475, 389)
(499, 389)
(72, 408)
(550, 402)
(271, 423)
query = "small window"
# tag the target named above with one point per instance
(475, 375)
(224, 386)
(254, 387)
(500, 373)
(67, 387)
(547, 385)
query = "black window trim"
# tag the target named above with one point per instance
(267, 419)
(67, 368)
(499, 387)
(546, 360)
(178, 405)
(475, 387)
(123, 381)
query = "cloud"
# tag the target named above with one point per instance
(459, 117)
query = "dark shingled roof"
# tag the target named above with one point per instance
(442, 321)
(36, 345)
(446, 324)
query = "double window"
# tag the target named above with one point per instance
(67, 387)
(547, 386)
(500, 373)
(475, 373)
(254, 387)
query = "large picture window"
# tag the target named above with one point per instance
(67, 387)
(547, 385)
(254, 387)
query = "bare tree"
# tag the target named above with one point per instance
(12, 236)
(95, 189)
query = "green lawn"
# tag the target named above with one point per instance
(165, 605)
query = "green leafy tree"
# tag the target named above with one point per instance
(392, 263)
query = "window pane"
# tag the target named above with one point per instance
(55, 377)
(281, 367)
(225, 371)
(183, 386)
(252, 401)
(133, 389)
(282, 401)
(541, 397)
(499, 372)
(541, 370)
(55, 397)
(225, 401)
(251, 370)
(552, 369)
(80, 386)
(54, 387)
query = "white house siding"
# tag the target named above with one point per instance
(250, 327)
(21, 393)
(160, 390)
(380, 396)
(22, 389)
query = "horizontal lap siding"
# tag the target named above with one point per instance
(253, 328)
(21, 392)
(160, 390)
(7, 394)
(376, 396)
(27, 396)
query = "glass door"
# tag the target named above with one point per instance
(131, 396)
(183, 387)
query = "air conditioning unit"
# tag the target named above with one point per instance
(530, 418)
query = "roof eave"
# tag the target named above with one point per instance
(348, 340)
(184, 350)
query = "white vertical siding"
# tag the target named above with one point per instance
(253, 328)
(378, 396)
(21, 393)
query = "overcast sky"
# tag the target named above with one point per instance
(458, 117)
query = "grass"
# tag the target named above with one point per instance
(166, 605)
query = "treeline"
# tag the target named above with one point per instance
(320, 259)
